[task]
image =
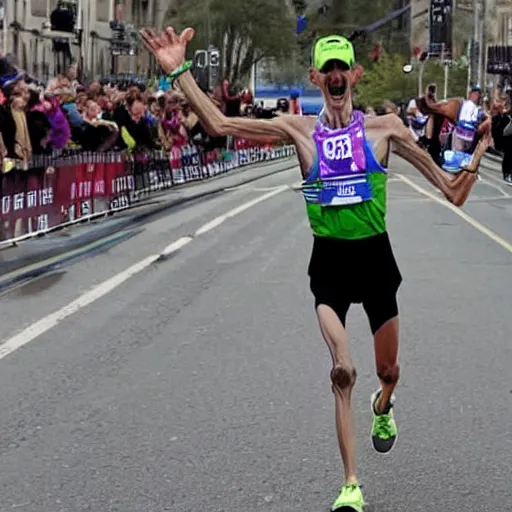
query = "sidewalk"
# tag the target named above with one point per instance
(35, 256)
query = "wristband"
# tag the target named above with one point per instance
(182, 69)
(471, 171)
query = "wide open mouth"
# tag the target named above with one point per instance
(333, 71)
(337, 87)
(337, 91)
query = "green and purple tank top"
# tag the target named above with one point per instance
(345, 192)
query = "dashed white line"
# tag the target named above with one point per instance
(217, 221)
(46, 323)
(176, 245)
(253, 202)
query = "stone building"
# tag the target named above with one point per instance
(30, 40)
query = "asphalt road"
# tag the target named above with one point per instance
(202, 383)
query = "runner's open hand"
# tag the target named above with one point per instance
(168, 48)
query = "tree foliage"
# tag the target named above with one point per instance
(386, 80)
(247, 31)
(244, 31)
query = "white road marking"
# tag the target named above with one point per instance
(217, 221)
(470, 220)
(239, 209)
(253, 202)
(493, 178)
(46, 323)
(176, 245)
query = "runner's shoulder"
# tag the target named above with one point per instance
(387, 123)
(304, 124)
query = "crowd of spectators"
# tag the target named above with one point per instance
(110, 114)
(127, 115)
(496, 107)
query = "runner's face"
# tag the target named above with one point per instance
(334, 82)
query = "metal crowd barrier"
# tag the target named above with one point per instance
(71, 187)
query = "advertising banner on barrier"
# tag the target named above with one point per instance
(74, 186)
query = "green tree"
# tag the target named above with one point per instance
(244, 31)
(290, 72)
(385, 80)
(457, 77)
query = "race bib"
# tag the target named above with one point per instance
(340, 191)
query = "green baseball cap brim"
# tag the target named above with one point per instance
(332, 48)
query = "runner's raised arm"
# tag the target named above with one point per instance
(455, 188)
(170, 49)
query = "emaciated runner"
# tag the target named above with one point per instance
(343, 157)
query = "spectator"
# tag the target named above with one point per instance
(172, 130)
(39, 126)
(60, 131)
(114, 114)
(502, 135)
(295, 105)
(97, 134)
(13, 120)
(129, 116)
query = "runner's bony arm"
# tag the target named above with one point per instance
(218, 125)
(455, 188)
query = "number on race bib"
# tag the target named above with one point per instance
(338, 148)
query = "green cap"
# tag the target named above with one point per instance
(332, 48)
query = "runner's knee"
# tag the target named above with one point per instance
(343, 376)
(388, 373)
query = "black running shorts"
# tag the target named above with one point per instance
(345, 272)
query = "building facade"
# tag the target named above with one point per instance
(488, 22)
(498, 23)
(26, 34)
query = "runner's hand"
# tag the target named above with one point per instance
(168, 48)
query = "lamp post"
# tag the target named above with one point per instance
(407, 69)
